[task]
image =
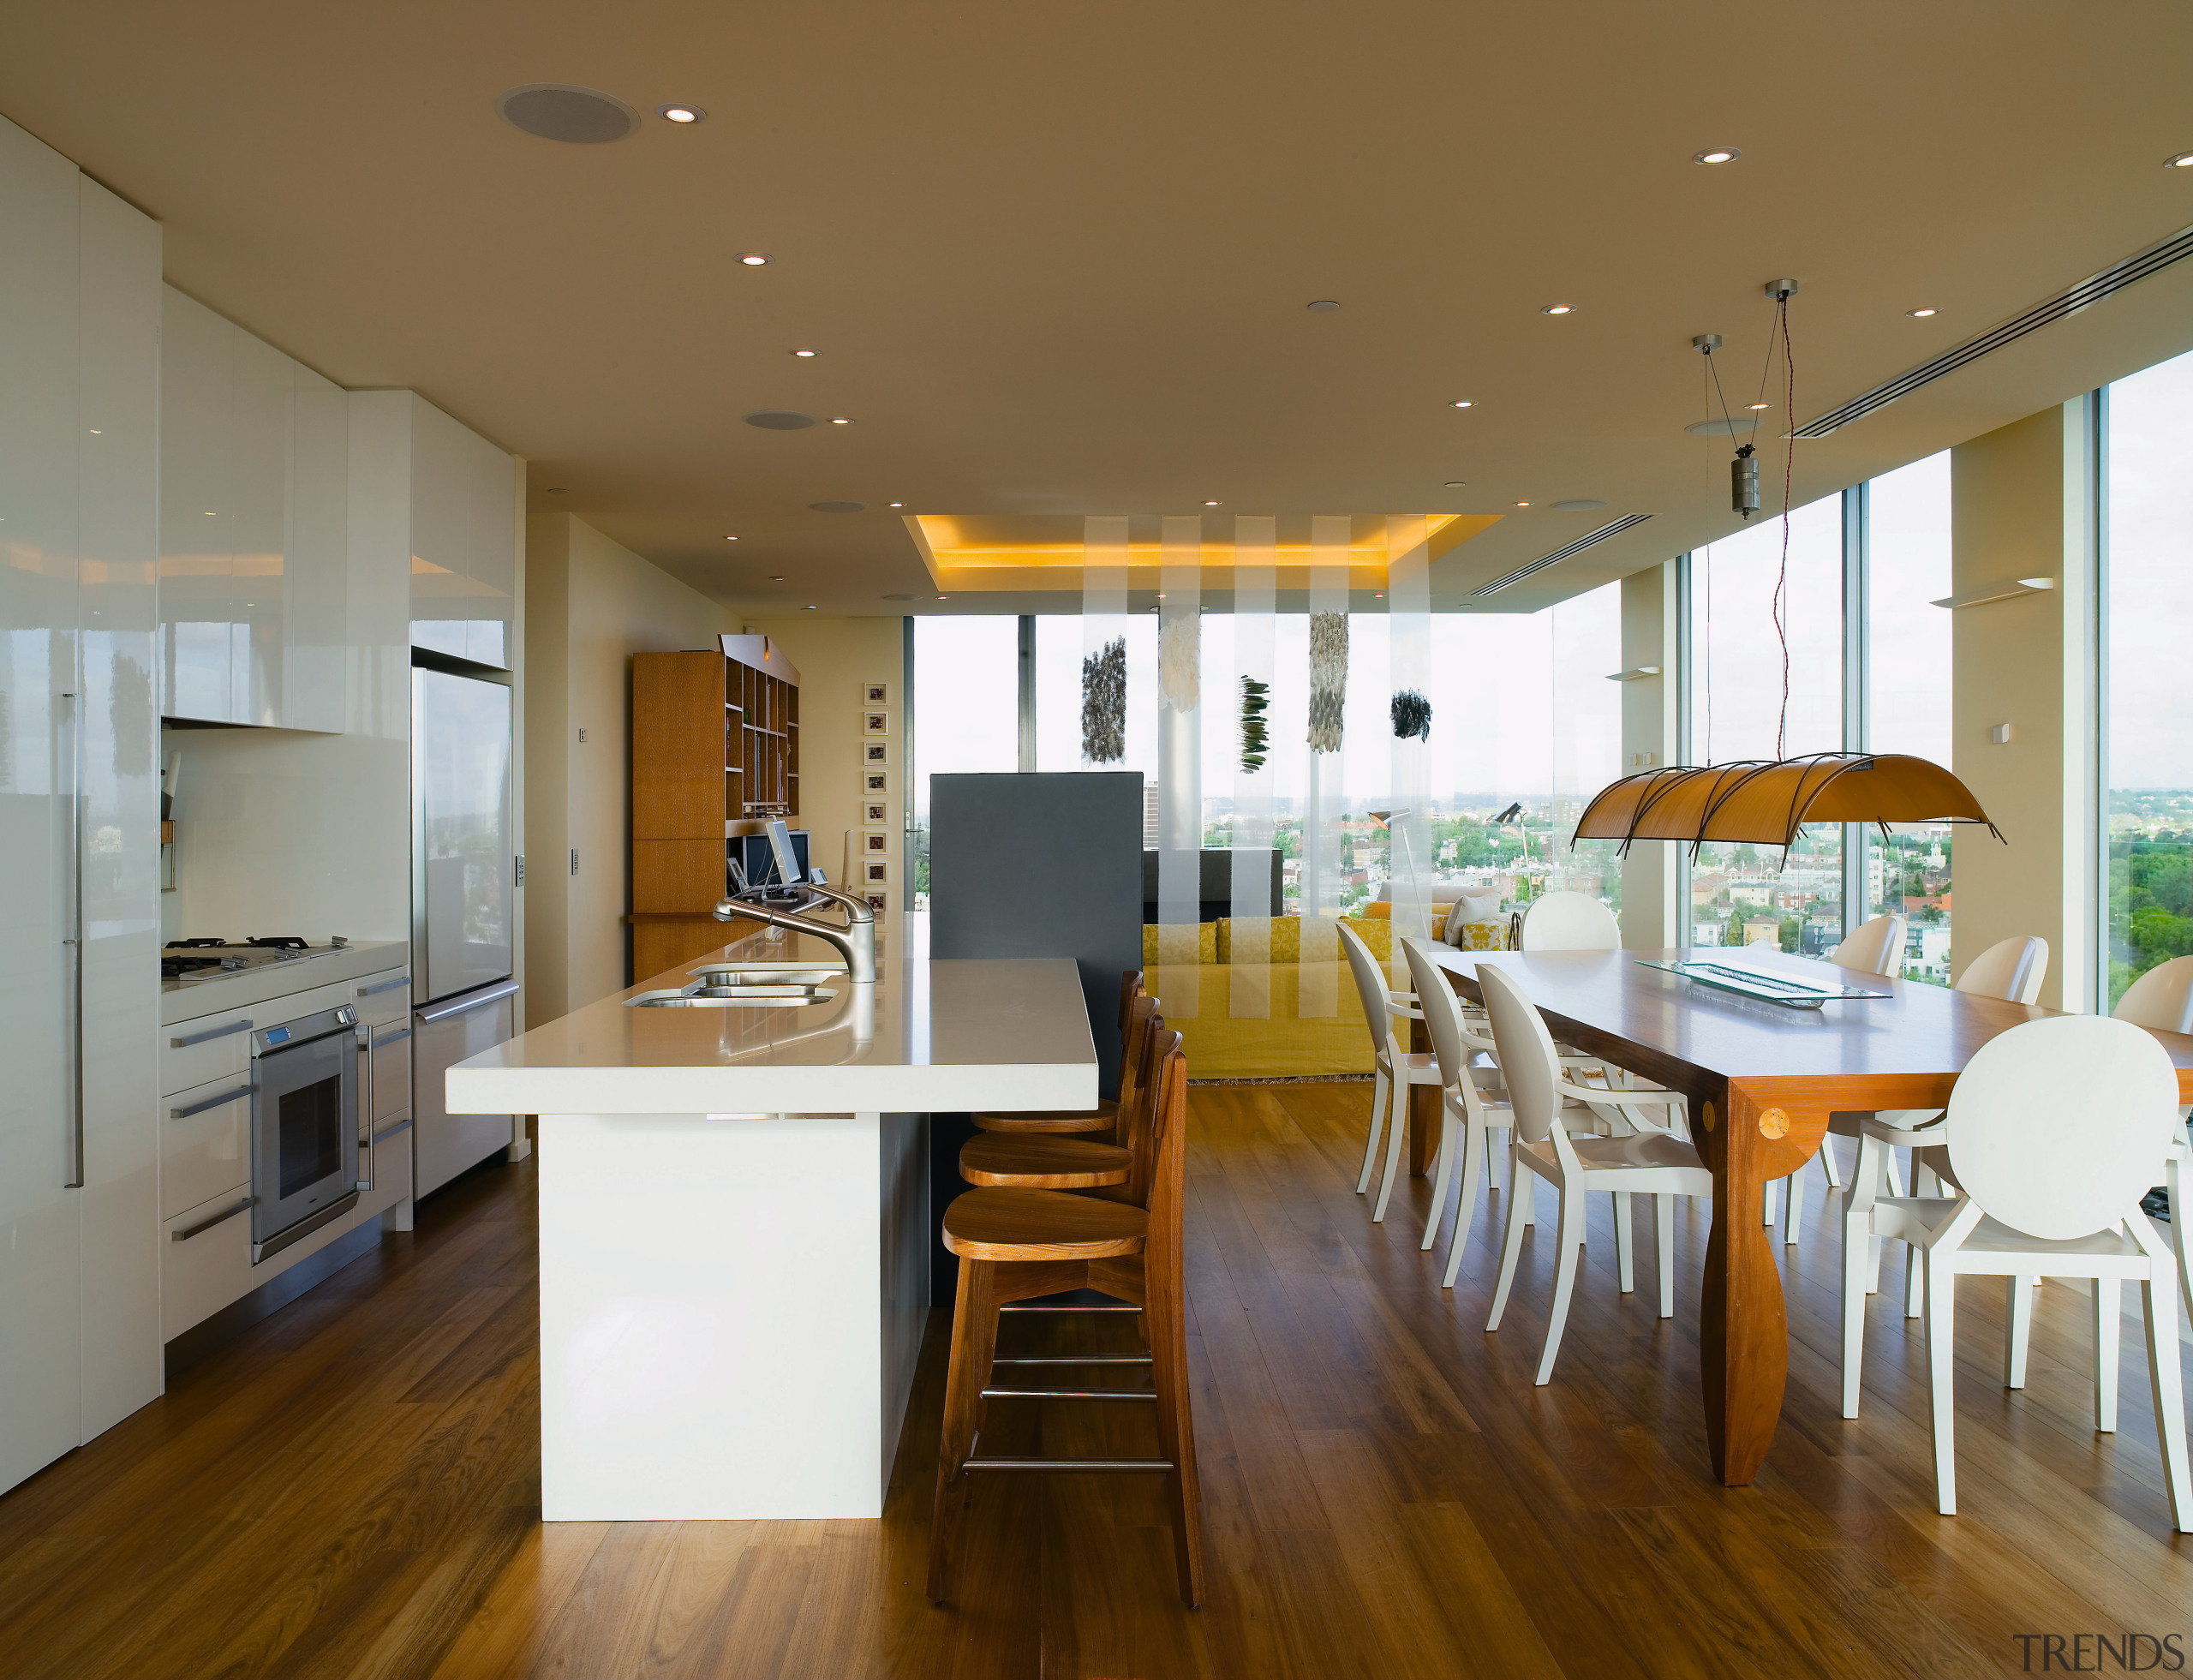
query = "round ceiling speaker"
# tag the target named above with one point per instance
(781, 419)
(575, 116)
(1579, 505)
(839, 507)
(1721, 429)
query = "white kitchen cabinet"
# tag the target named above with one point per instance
(79, 373)
(197, 471)
(205, 1143)
(464, 540)
(315, 620)
(254, 529)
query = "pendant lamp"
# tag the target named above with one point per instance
(1765, 801)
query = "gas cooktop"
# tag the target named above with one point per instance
(211, 959)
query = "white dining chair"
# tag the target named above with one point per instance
(1569, 922)
(1873, 947)
(1394, 1069)
(1649, 1161)
(1475, 1103)
(2012, 970)
(2162, 1001)
(2054, 1131)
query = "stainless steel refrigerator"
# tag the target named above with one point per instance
(463, 995)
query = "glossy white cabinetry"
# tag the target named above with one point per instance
(464, 536)
(79, 371)
(254, 529)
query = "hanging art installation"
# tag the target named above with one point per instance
(1179, 663)
(1328, 679)
(1255, 697)
(1412, 717)
(1104, 703)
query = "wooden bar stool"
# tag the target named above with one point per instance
(1016, 1244)
(1141, 1008)
(1038, 1161)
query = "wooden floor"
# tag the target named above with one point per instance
(352, 1488)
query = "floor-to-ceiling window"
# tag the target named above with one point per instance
(1908, 703)
(966, 715)
(1747, 895)
(2147, 698)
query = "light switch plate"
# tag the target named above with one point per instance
(2000, 734)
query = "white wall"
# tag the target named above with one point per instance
(834, 658)
(591, 605)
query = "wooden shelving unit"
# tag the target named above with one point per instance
(716, 739)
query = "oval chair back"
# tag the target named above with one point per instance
(2010, 969)
(1370, 982)
(2160, 1000)
(2057, 1127)
(1569, 922)
(1130, 988)
(1133, 1063)
(1443, 1016)
(1137, 1093)
(1529, 1062)
(1874, 947)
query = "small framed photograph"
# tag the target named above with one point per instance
(875, 723)
(878, 902)
(874, 782)
(876, 754)
(876, 813)
(873, 842)
(875, 694)
(874, 872)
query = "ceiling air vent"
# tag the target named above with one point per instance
(2087, 292)
(1561, 553)
(575, 116)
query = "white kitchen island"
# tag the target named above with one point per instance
(735, 1223)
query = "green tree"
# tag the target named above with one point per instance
(2158, 936)
(1793, 930)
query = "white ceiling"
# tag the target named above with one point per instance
(1057, 257)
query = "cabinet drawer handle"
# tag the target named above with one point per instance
(206, 1102)
(392, 1038)
(207, 1224)
(385, 986)
(210, 1034)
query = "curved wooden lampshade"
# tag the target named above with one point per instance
(1766, 802)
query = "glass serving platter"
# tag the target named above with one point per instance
(1790, 994)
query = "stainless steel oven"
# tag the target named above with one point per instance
(304, 1127)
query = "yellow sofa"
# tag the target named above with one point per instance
(1244, 1020)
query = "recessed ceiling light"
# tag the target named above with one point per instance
(1378, 595)
(1323, 306)
(681, 113)
(776, 578)
(1457, 484)
(898, 504)
(1210, 504)
(1759, 405)
(731, 539)
(1462, 402)
(1523, 503)
(1717, 154)
(839, 420)
(2181, 160)
(755, 258)
(1558, 309)
(1160, 595)
(810, 607)
(1920, 314)
(803, 355)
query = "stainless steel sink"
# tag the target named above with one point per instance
(744, 976)
(754, 995)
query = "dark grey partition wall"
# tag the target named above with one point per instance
(1034, 866)
(1042, 866)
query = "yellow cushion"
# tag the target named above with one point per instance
(1383, 911)
(1379, 936)
(1484, 937)
(1169, 944)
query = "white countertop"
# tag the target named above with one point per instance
(185, 999)
(935, 1037)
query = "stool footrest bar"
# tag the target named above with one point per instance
(1067, 1307)
(1069, 1394)
(1078, 1359)
(1067, 1464)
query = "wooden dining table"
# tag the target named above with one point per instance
(1761, 1081)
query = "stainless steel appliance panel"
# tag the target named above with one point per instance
(304, 1127)
(462, 834)
(444, 1034)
